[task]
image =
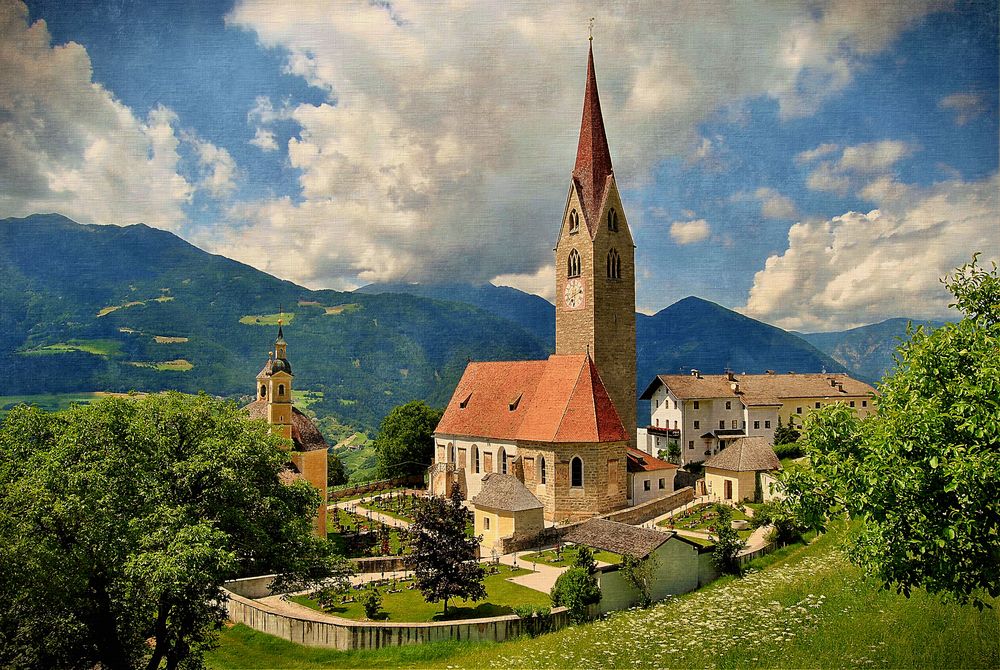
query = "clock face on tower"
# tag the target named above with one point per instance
(573, 295)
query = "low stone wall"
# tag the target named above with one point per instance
(334, 495)
(251, 587)
(345, 634)
(652, 508)
(379, 564)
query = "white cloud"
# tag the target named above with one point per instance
(451, 127)
(859, 268)
(774, 205)
(540, 283)
(856, 165)
(966, 106)
(821, 151)
(67, 145)
(689, 232)
(265, 140)
(217, 168)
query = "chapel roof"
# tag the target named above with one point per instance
(305, 434)
(746, 454)
(620, 538)
(560, 399)
(506, 493)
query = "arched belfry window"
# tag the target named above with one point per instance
(263, 391)
(574, 222)
(614, 265)
(573, 264)
(576, 472)
(612, 220)
(541, 470)
(281, 390)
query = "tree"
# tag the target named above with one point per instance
(443, 557)
(777, 513)
(335, 473)
(786, 433)
(728, 543)
(119, 522)
(576, 589)
(585, 559)
(638, 573)
(405, 441)
(922, 473)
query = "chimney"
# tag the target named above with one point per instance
(769, 372)
(833, 381)
(695, 373)
(840, 387)
(730, 375)
(735, 386)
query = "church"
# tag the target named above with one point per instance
(562, 426)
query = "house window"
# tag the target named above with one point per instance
(798, 410)
(475, 459)
(729, 404)
(697, 425)
(574, 222)
(864, 403)
(690, 444)
(675, 424)
(612, 220)
(576, 472)
(486, 523)
(722, 425)
(852, 403)
(662, 483)
(767, 424)
(657, 423)
(736, 424)
(614, 265)
(502, 458)
(541, 470)
(573, 264)
(452, 453)
(756, 425)
(646, 485)
(696, 406)
(817, 405)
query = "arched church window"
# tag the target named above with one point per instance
(281, 390)
(541, 470)
(573, 264)
(576, 472)
(574, 222)
(475, 458)
(612, 220)
(263, 391)
(502, 458)
(614, 265)
(452, 450)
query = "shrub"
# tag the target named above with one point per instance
(778, 514)
(576, 589)
(789, 450)
(585, 559)
(372, 602)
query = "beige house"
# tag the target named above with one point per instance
(308, 455)
(732, 473)
(648, 477)
(505, 510)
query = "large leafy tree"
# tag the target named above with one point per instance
(923, 473)
(443, 557)
(405, 441)
(120, 520)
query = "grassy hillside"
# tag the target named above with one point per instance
(121, 308)
(808, 608)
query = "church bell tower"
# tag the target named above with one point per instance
(595, 265)
(274, 386)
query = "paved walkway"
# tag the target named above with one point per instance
(544, 577)
(358, 507)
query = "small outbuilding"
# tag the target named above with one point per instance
(734, 473)
(648, 477)
(505, 510)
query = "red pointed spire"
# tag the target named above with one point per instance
(593, 159)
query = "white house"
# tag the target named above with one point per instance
(648, 477)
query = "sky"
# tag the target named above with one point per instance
(816, 165)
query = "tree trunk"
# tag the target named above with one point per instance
(160, 635)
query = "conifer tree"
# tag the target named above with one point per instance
(443, 557)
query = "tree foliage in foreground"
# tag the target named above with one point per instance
(728, 543)
(639, 574)
(120, 520)
(443, 558)
(923, 473)
(405, 441)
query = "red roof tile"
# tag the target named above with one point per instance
(593, 158)
(562, 399)
(640, 461)
(305, 434)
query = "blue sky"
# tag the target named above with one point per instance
(816, 166)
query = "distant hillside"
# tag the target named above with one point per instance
(117, 308)
(866, 351)
(534, 314)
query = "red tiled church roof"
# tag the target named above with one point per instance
(640, 461)
(593, 158)
(561, 399)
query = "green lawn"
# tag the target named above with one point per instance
(97, 347)
(409, 604)
(568, 557)
(809, 608)
(176, 365)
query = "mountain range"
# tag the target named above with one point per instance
(103, 307)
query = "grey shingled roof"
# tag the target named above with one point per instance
(746, 454)
(305, 434)
(619, 538)
(505, 492)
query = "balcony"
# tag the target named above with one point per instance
(664, 432)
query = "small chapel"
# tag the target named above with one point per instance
(561, 426)
(308, 452)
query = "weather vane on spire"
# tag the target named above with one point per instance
(591, 28)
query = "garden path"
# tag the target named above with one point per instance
(544, 577)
